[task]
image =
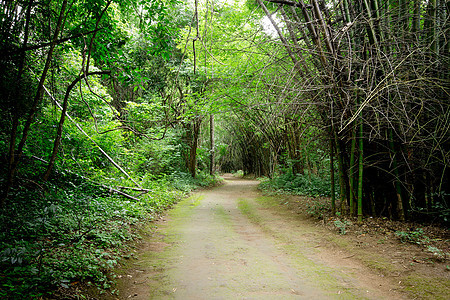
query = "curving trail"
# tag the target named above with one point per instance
(229, 243)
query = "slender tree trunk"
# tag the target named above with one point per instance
(351, 175)
(370, 29)
(346, 11)
(432, 15)
(416, 17)
(446, 46)
(211, 150)
(194, 145)
(341, 168)
(333, 196)
(15, 115)
(398, 186)
(280, 34)
(57, 141)
(360, 171)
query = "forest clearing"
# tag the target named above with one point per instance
(113, 112)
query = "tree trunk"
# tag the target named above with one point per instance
(192, 164)
(398, 187)
(57, 141)
(360, 170)
(93, 141)
(211, 150)
(333, 196)
(432, 26)
(341, 168)
(351, 175)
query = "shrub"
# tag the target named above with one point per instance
(414, 237)
(342, 226)
(238, 173)
(303, 185)
(68, 233)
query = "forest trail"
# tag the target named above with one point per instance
(230, 243)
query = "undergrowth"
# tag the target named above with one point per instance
(72, 232)
(298, 184)
(418, 237)
(238, 173)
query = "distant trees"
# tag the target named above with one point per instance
(371, 77)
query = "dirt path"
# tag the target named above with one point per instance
(229, 243)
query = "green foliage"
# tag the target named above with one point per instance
(317, 208)
(418, 237)
(438, 253)
(414, 236)
(441, 206)
(71, 229)
(315, 192)
(342, 226)
(299, 184)
(70, 232)
(238, 173)
(184, 182)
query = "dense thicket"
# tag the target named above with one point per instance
(378, 75)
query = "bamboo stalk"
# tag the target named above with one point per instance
(342, 190)
(111, 189)
(351, 175)
(333, 197)
(398, 187)
(360, 170)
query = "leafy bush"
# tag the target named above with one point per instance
(184, 182)
(317, 208)
(238, 173)
(438, 253)
(418, 237)
(68, 233)
(441, 206)
(414, 237)
(304, 185)
(342, 226)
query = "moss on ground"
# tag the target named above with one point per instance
(427, 288)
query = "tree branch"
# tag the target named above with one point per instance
(9, 52)
(287, 2)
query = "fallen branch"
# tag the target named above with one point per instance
(110, 189)
(8, 52)
(134, 189)
(121, 193)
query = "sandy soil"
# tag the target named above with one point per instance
(231, 243)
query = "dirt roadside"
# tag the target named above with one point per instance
(231, 243)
